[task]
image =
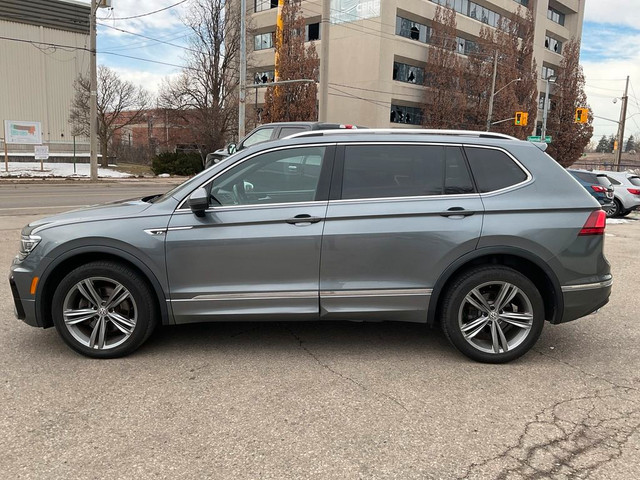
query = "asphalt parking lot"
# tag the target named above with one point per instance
(325, 400)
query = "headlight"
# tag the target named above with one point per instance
(27, 244)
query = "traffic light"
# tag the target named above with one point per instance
(521, 119)
(582, 115)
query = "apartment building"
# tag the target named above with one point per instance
(378, 49)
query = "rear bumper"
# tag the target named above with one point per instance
(583, 299)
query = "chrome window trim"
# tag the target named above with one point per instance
(588, 286)
(515, 186)
(227, 208)
(402, 199)
(229, 167)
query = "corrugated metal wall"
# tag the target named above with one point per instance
(36, 82)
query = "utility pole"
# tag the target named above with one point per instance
(324, 61)
(547, 102)
(493, 88)
(623, 117)
(93, 96)
(243, 70)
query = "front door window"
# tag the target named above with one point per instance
(282, 176)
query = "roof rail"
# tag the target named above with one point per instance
(402, 131)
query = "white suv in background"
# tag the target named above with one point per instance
(626, 191)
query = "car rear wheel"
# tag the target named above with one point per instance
(104, 310)
(614, 210)
(493, 314)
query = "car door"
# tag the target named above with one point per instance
(255, 253)
(398, 215)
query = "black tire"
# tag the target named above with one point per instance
(488, 281)
(626, 212)
(125, 325)
(615, 210)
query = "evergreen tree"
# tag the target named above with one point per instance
(612, 144)
(631, 144)
(603, 145)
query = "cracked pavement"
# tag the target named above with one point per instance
(326, 400)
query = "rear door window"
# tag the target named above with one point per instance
(383, 171)
(286, 131)
(493, 169)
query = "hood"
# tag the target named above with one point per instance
(109, 211)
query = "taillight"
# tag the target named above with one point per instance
(633, 191)
(348, 127)
(599, 189)
(595, 223)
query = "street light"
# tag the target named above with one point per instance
(493, 95)
(545, 112)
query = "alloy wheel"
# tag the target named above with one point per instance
(100, 313)
(495, 317)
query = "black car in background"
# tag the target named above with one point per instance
(597, 184)
(270, 131)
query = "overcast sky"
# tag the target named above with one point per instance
(610, 51)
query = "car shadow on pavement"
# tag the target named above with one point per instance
(338, 337)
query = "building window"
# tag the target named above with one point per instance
(403, 72)
(264, 41)
(408, 115)
(264, 77)
(473, 10)
(522, 2)
(312, 32)
(552, 103)
(547, 72)
(555, 16)
(266, 5)
(413, 30)
(552, 44)
(465, 47)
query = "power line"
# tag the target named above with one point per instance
(145, 14)
(148, 38)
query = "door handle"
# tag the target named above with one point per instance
(302, 218)
(457, 212)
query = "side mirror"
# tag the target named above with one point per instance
(231, 148)
(199, 201)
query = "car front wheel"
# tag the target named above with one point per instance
(493, 314)
(104, 309)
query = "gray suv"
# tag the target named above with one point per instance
(480, 233)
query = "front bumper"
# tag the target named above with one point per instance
(24, 303)
(581, 300)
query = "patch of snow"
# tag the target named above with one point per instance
(55, 170)
(613, 221)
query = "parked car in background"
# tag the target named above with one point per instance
(626, 192)
(451, 228)
(268, 132)
(598, 185)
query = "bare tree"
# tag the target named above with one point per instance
(513, 43)
(569, 138)
(295, 101)
(205, 94)
(444, 98)
(120, 103)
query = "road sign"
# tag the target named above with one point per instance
(538, 138)
(41, 152)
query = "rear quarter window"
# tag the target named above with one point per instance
(635, 181)
(493, 169)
